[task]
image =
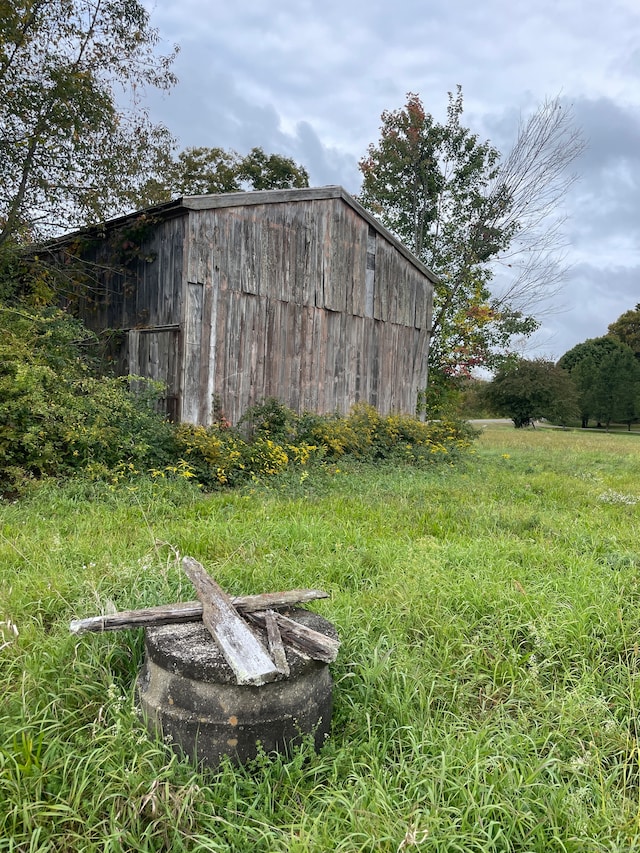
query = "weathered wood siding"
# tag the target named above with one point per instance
(304, 302)
(295, 294)
(134, 286)
(156, 354)
(135, 276)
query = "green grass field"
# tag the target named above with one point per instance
(486, 693)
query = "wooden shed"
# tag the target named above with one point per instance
(295, 294)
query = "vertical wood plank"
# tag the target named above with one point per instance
(276, 646)
(192, 353)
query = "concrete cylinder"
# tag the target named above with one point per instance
(189, 694)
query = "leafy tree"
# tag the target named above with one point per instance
(69, 152)
(593, 348)
(620, 393)
(583, 363)
(200, 171)
(260, 171)
(195, 171)
(460, 209)
(472, 402)
(429, 183)
(529, 390)
(627, 329)
(586, 376)
(607, 377)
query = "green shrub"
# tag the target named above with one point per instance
(269, 418)
(214, 455)
(222, 457)
(56, 418)
(333, 433)
(278, 439)
(367, 435)
(265, 457)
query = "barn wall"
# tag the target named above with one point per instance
(132, 284)
(134, 276)
(301, 301)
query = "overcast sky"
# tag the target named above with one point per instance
(310, 78)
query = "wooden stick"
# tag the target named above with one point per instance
(306, 641)
(276, 648)
(275, 600)
(242, 650)
(189, 611)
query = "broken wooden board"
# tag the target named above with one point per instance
(242, 650)
(306, 641)
(189, 611)
(276, 646)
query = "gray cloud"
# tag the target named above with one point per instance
(606, 201)
(310, 81)
(211, 109)
(593, 298)
(612, 131)
(327, 165)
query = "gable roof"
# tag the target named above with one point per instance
(179, 206)
(244, 199)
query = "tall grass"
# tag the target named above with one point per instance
(486, 692)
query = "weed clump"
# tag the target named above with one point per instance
(60, 418)
(271, 438)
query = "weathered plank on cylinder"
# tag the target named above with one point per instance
(276, 647)
(275, 600)
(164, 614)
(189, 611)
(305, 641)
(242, 650)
